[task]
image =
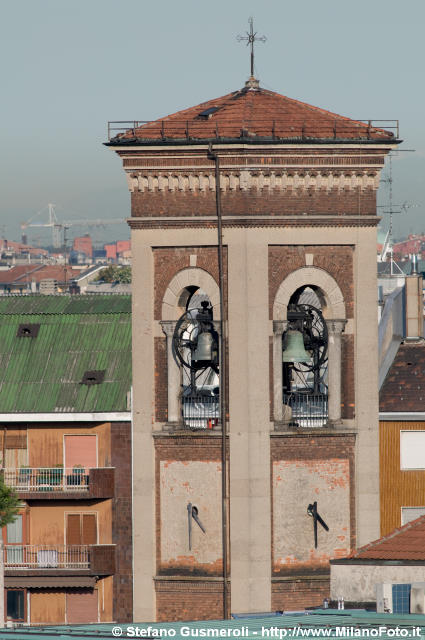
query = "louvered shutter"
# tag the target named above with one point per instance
(81, 607)
(73, 529)
(89, 529)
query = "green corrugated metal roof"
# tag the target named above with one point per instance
(65, 303)
(319, 623)
(77, 334)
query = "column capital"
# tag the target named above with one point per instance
(217, 326)
(335, 327)
(168, 326)
(279, 326)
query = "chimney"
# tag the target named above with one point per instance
(414, 303)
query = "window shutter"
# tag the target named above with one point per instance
(14, 531)
(82, 607)
(89, 529)
(80, 450)
(73, 529)
(16, 439)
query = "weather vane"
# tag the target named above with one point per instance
(251, 37)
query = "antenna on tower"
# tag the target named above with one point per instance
(391, 209)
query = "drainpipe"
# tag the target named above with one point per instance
(222, 384)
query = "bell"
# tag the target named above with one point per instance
(295, 350)
(203, 351)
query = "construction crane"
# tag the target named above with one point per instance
(58, 227)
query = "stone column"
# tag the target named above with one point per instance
(173, 374)
(279, 326)
(335, 329)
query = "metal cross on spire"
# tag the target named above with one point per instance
(251, 37)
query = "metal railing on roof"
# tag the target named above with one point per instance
(269, 129)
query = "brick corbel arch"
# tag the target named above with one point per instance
(315, 277)
(189, 277)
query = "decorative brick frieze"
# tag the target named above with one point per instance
(315, 158)
(257, 180)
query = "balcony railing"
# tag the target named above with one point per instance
(36, 556)
(200, 411)
(306, 410)
(47, 479)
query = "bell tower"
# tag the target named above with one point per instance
(255, 395)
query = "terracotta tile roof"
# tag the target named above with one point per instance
(22, 274)
(405, 543)
(404, 386)
(250, 113)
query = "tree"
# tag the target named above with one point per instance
(9, 507)
(115, 273)
(9, 504)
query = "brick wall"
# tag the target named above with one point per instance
(347, 377)
(335, 260)
(332, 157)
(297, 594)
(122, 521)
(267, 202)
(161, 380)
(171, 260)
(184, 600)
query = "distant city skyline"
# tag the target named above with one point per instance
(71, 66)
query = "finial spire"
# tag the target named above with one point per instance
(251, 37)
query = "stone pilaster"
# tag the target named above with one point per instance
(335, 329)
(173, 371)
(279, 327)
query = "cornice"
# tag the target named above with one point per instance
(206, 222)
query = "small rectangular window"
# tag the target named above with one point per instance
(412, 450)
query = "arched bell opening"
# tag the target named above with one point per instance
(196, 351)
(305, 359)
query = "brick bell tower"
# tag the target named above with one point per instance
(293, 218)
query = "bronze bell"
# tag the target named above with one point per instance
(203, 351)
(294, 350)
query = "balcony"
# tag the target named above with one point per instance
(200, 411)
(305, 410)
(41, 483)
(44, 560)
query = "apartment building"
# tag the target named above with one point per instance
(65, 430)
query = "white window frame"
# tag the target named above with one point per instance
(408, 468)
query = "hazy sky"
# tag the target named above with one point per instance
(69, 66)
